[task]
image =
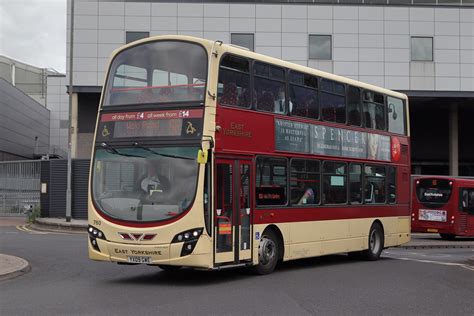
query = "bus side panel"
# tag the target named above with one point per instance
(403, 185)
(317, 238)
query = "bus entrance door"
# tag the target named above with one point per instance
(232, 214)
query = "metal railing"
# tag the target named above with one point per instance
(19, 187)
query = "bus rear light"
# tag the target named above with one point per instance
(412, 214)
(452, 217)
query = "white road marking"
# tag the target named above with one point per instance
(452, 264)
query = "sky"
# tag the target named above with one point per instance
(34, 32)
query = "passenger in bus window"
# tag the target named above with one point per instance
(280, 106)
(152, 183)
(308, 195)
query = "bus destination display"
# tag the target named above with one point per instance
(173, 123)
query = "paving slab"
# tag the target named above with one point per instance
(11, 266)
(13, 221)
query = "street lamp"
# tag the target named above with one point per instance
(69, 145)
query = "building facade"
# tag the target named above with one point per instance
(424, 48)
(46, 87)
(24, 125)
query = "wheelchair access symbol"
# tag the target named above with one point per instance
(105, 131)
(190, 128)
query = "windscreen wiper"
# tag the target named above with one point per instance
(114, 151)
(160, 154)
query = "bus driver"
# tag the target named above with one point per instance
(151, 183)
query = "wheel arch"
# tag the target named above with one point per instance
(378, 221)
(281, 248)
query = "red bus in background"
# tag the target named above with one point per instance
(443, 205)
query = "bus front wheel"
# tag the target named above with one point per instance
(267, 253)
(376, 242)
(447, 236)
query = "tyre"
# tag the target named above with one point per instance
(268, 253)
(448, 236)
(169, 268)
(375, 243)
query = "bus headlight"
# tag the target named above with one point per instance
(95, 234)
(189, 239)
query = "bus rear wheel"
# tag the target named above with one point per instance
(375, 243)
(267, 253)
(447, 236)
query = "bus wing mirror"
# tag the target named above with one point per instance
(202, 156)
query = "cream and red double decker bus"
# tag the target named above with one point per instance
(207, 155)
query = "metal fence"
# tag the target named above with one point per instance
(19, 187)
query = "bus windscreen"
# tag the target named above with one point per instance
(157, 72)
(433, 191)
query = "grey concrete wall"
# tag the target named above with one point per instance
(57, 101)
(21, 120)
(369, 43)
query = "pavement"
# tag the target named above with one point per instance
(11, 266)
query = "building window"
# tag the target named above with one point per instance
(320, 47)
(244, 40)
(421, 48)
(64, 124)
(135, 36)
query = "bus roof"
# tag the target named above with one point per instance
(233, 49)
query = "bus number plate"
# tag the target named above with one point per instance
(432, 215)
(138, 259)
